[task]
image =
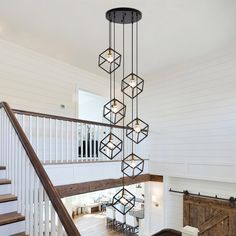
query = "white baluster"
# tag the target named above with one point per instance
(50, 141)
(90, 130)
(60, 228)
(19, 176)
(86, 142)
(11, 156)
(36, 184)
(27, 195)
(94, 142)
(62, 141)
(37, 136)
(44, 140)
(72, 142)
(82, 142)
(31, 200)
(16, 155)
(5, 140)
(99, 136)
(46, 214)
(53, 221)
(56, 140)
(77, 142)
(40, 209)
(8, 149)
(1, 137)
(23, 160)
(67, 142)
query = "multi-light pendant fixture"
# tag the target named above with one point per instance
(115, 110)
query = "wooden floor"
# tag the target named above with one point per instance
(95, 225)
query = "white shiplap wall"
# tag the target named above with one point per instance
(191, 110)
(35, 82)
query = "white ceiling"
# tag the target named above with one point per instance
(75, 31)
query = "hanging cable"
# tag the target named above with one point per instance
(110, 78)
(123, 98)
(114, 47)
(137, 42)
(109, 34)
(132, 70)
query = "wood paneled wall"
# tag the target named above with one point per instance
(211, 216)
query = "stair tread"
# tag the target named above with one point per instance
(19, 234)
(2, 167)
(11, 217)
(7, 198)
(5, 181)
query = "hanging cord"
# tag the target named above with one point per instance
(123, 98)
(132, 69)
(137, 42)
(110, 78)
(114, 46)
(109, 34)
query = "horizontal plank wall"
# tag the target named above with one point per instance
(191, 109)
(75, 189)
(31, 81)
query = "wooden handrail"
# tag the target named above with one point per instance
(54, 117)
(165, 232)
(53, 195)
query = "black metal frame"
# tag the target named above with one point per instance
(112, 66)
(134, 91)
(231, 200)
(136, 170)
(123, 15)
(117, 200)
(112, 117)
(117, 142)
(133, 135)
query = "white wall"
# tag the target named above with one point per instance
(191, 109)
(84, 172)
(154, 215)
(32, 81)
(91, 106)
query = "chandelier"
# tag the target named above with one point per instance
(132, 85)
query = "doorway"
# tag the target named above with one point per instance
(90, 106)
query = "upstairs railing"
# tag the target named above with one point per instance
(59, 139)
(38, 200)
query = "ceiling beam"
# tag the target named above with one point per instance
(86, 187)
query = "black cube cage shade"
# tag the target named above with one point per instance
(132, 166)
(132, 85)
(110, 146)
(109, 65)
(114, 111)
(137, 134)
(123, 201)
(124, 15)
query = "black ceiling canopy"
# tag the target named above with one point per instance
(124, 15)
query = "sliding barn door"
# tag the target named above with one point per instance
(211, 216)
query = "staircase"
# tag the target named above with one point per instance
(29, 203)
(11, 222)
